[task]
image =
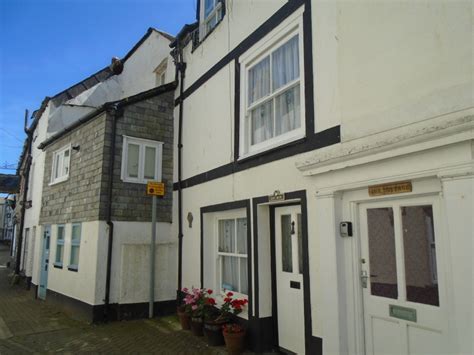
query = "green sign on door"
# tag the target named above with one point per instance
(404, 313)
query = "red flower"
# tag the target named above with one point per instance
(229, 294)
(227, 299)
(211, 301)
(209, 291)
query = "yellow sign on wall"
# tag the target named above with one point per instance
(390, 189)
(155, 188)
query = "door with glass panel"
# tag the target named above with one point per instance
(43, 281)
(289, 278)
(401, 277)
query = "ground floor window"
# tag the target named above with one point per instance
(75, 246)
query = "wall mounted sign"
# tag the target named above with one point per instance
(277, 196)
(390, 189)
(155, 188)
(404, 313)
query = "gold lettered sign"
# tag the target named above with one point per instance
(155, 188)
(390, 189)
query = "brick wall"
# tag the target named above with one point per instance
(78, 198)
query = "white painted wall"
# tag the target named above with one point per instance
(80, 285)
(397, 77)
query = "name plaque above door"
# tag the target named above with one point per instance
(390, 189)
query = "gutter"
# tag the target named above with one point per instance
(29, 142)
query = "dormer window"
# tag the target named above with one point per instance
(160, 72)
(211, 14)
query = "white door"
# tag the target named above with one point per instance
(289, 278)
(401, 277)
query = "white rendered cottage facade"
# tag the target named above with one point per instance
(68, 258)
(324, 171)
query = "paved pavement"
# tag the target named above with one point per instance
(32, 326)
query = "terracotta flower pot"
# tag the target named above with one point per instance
(213, 332)
(234, 342)
(184, 319)
(196, 326)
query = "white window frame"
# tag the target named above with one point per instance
(60, 153)
(59, 242)
(142, 143)
(216, 12)
(75, 244)
(235, 215)
(287, 30)
(160, 72)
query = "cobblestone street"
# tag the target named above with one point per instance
(31, 326)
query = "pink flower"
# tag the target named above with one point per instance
(194, 307)
(185, 289)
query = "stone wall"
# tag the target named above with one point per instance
(78, 198)
(151, 119)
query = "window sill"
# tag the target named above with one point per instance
(58, 266)
(271, 149)
(73, 268)
(58, 181)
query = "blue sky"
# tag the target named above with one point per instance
(48, 45)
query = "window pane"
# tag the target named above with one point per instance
(259, 80)
(65, 165)
(243, 276)
(132, 160)
(287, 111)
(383, 267)
(56, 166)
(74, 255)
(227, 236)
(211, 23)
(76, 233)
(286, 249)
(150, 162)
(262, 123)
(59, 253)
(285, 63)
(230, 270)
(60, 233)
(300, 243)
(242, 235)
(420, 255)
(208, 7)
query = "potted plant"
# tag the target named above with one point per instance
(215, 320)
(198, 301)
(184, 313)
(234, 336)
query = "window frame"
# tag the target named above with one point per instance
(265, 48)
(229, 215)
(59, 242)
(75, 267)
(55, 180)
(217, 11)
(142, 143)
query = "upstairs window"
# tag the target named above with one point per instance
(273, 95)
(211, 14)
(141, 160)
(160, 72)
(60, 169)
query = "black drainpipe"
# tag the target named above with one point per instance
(29, 142)
(181, 67)
(114, 113)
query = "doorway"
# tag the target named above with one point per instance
(401, 277)
(43, 280)
(288, 278)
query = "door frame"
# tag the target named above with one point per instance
(301, 195)
(42, 258)
(351, 209)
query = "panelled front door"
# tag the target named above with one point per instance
(43, 281)
(401, 277)
(289, 278)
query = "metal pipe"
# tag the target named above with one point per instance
(114, 113)
(181, 66)
(26, 175)
(152, 257)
